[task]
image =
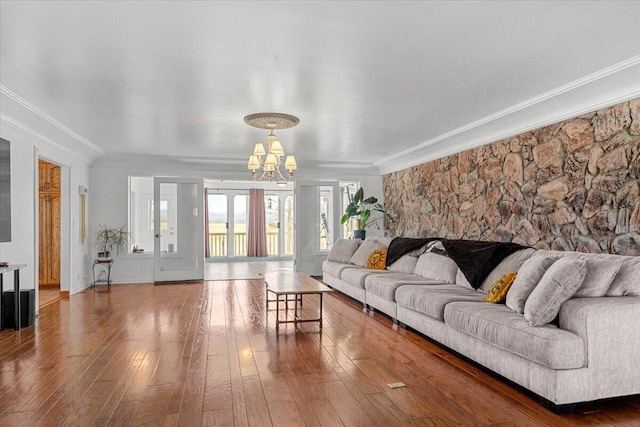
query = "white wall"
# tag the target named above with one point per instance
(108, 195)
(26, 149)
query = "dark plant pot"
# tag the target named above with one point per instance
(359, 234)
(104, 254)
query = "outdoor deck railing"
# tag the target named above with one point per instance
(218, 244)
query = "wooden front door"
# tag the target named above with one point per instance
(49, 218)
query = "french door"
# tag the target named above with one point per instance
(317, 223)
(178, 226)
(228, 218)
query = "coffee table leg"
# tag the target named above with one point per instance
(321, 310)
(295, 311)
(277, 312)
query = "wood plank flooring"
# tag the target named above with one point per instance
(206, 353)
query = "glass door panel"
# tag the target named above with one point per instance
(218, 224)
(178, 227)
(326, 218)
(240, 225)
(272, 212)
(288, 225)
(313, 234)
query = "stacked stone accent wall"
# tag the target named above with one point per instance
(573, 185)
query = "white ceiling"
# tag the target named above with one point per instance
(378, 85)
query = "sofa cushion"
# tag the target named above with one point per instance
(385, 285)
(335, 269)
(436, 267)
(510, 264)
(356, 276)
(626, 282)
(365, 249)
(558, 284)
(431, 300)
(529, 275)
(498, 325)
(343, 250)
(498, 292)
(406, 264)
(600, 274)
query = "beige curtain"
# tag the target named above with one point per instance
(257, 233)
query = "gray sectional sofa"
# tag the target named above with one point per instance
(589, 350)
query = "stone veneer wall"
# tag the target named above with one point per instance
(573, 185)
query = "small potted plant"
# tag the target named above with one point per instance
(361, 210)
(108, 239)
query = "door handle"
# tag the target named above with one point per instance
(157, 236)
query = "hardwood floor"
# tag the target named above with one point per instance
(48, 295)
(205, 354)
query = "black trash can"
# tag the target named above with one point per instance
(27, 308)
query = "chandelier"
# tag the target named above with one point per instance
(272, 163)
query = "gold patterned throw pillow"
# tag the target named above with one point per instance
(498, 292)
(377, 260)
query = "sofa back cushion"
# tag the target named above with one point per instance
(528, 277)
(461, 280)
(627, 281)
(436, 267)
(363, 252)
(558, 284)
(600, 274)
(382, 240)
(343, 250)
(510, 264)
(405, 264)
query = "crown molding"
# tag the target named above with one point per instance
(41, 141)
(415, 155)
(43, 115)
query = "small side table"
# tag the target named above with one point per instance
(106, 263)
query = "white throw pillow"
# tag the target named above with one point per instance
(361, 255)
(343, 250)
(528, 277)
(405, 264)
(558, 284)
(436, 267)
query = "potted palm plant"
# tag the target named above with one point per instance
(108, 239)
(362, 210)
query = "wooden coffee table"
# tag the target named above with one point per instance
(296, 284)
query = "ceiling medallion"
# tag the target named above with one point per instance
(271, 120)
(272, 163)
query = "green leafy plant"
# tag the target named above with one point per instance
(362, 211)
(108, 239)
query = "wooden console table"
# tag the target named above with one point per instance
(16, 292)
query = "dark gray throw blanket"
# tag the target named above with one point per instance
(477, 259)
(403, 245)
